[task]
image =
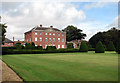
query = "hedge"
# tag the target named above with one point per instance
(51, 48)
(70, 45)
(29, 51)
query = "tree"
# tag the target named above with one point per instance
(70, 45)
(3, 31)
(17, 45)
(32, 45)
(83, 47)
(99, 48)
(72, 33)
(118, 47)
(111, 35)
(110, 46)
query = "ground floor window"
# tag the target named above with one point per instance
(62, 46)
(58, 46)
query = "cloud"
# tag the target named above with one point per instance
(92, 27)
(21, 17)
(95, 5)
(116, 22)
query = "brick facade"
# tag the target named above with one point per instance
(46, 36)
(7, 43)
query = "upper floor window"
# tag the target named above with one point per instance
(40, 39)
(62, 34)
(53, 33)
(30, 39)
(49, 39)
(35, 38)
(58, 39)
(53, 39)
(63, 40)
(40, 33)
(35, 33)
(46, 39)
(45, 33)
(58, 34)
(49, 33)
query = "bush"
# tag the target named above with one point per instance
(39, 47)
(83, 47)
(17, 45)
(21, 47)
(51, 48)
(110, 46)
(91, 49)
(70, 45)
(99, 48)
(118, 47)
(30, 51)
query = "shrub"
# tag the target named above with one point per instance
(91, 49)
(70, 45)
(17, 45)
(30, 51)
(21, 47)
(110, 46)
(32, 45)
(118, 47)
(105, 48)
(99, 48)
(39, 48)
(83, 47)
(50, 48)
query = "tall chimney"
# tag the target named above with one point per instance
(40, 25)
(51, 26)
(13, 39)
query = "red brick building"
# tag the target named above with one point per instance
(46, 36)
(7, 43)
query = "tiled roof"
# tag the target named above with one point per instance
(7, 40)
(43, 28)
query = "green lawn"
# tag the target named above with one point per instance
(65, 66)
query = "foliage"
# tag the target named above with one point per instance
(39, 47)
(83, 47)
(111, 35)
(50, 48)
(72, 33)
(3, 31)
(30, 45)
(118, 47)
(17, 44)
(110, 46)
(70, 45)
(37, 51)
(99, 48)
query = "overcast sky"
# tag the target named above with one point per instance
(91, 17)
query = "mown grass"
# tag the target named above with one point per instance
(65, 66)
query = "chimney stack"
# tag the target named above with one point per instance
(13, 39)
(51, 26)
(40, 25)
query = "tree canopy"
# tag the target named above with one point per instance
(3, 31)
(111, 35)
(72, 33)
